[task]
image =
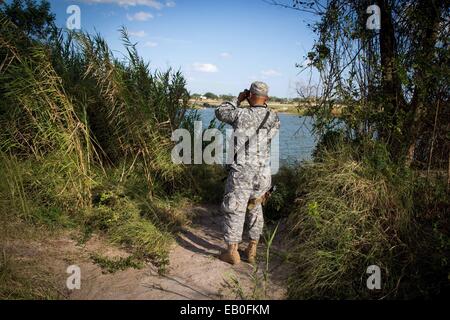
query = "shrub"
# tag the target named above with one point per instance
(123, 220)
(357, 210)
(282, 199)
(86, 135)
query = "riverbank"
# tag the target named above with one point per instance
(301, 109)
(282, 108)
(194, 271)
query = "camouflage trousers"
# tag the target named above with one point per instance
(241, 186)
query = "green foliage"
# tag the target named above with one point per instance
(85, 136)
(357, 208)
(43, 122)
(207, 182)
(53, 218)
(226, 97)
(282, 199)
(390, 85)
(131, 111)
(17, 285)
(33, 18)
(130, 222)
(211, 95)
(145, 239)
(29, 193)
(432, 248)
(277, 99)
(113, 265)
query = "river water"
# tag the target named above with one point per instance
(295, 142)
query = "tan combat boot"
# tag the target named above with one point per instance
(250, 251)
(231, 255)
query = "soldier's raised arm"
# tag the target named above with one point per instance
(227, 112)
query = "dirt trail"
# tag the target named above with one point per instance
(194, 271)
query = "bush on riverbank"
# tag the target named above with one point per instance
(85, 139)
(355, 209)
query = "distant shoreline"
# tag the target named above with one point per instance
(291, 108)
(277, 107)
(293, 112)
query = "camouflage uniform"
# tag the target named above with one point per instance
(249, 177)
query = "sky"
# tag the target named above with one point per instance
(220, 46)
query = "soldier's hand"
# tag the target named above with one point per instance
(241, 97)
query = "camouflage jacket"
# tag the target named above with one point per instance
(245, 122)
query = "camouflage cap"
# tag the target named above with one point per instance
(259, 88)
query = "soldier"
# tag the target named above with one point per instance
(249, 179)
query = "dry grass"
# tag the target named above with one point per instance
(348, 218)
(84, 121)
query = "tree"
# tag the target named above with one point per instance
(227, 97)
(34, 19)
(392, 81)
(210, 95)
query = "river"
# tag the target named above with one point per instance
(295, 140)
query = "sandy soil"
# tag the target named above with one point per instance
(194, 271)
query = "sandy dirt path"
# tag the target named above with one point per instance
(194, 271)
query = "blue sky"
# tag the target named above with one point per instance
(220, 46)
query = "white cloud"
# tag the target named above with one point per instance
(139, 34)
(140, 16)
(109, 13)
(205, 67)
(125, 3)
(170, 4)
(173, 40)
(225, 55)
(150, 44)
(270, 73)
